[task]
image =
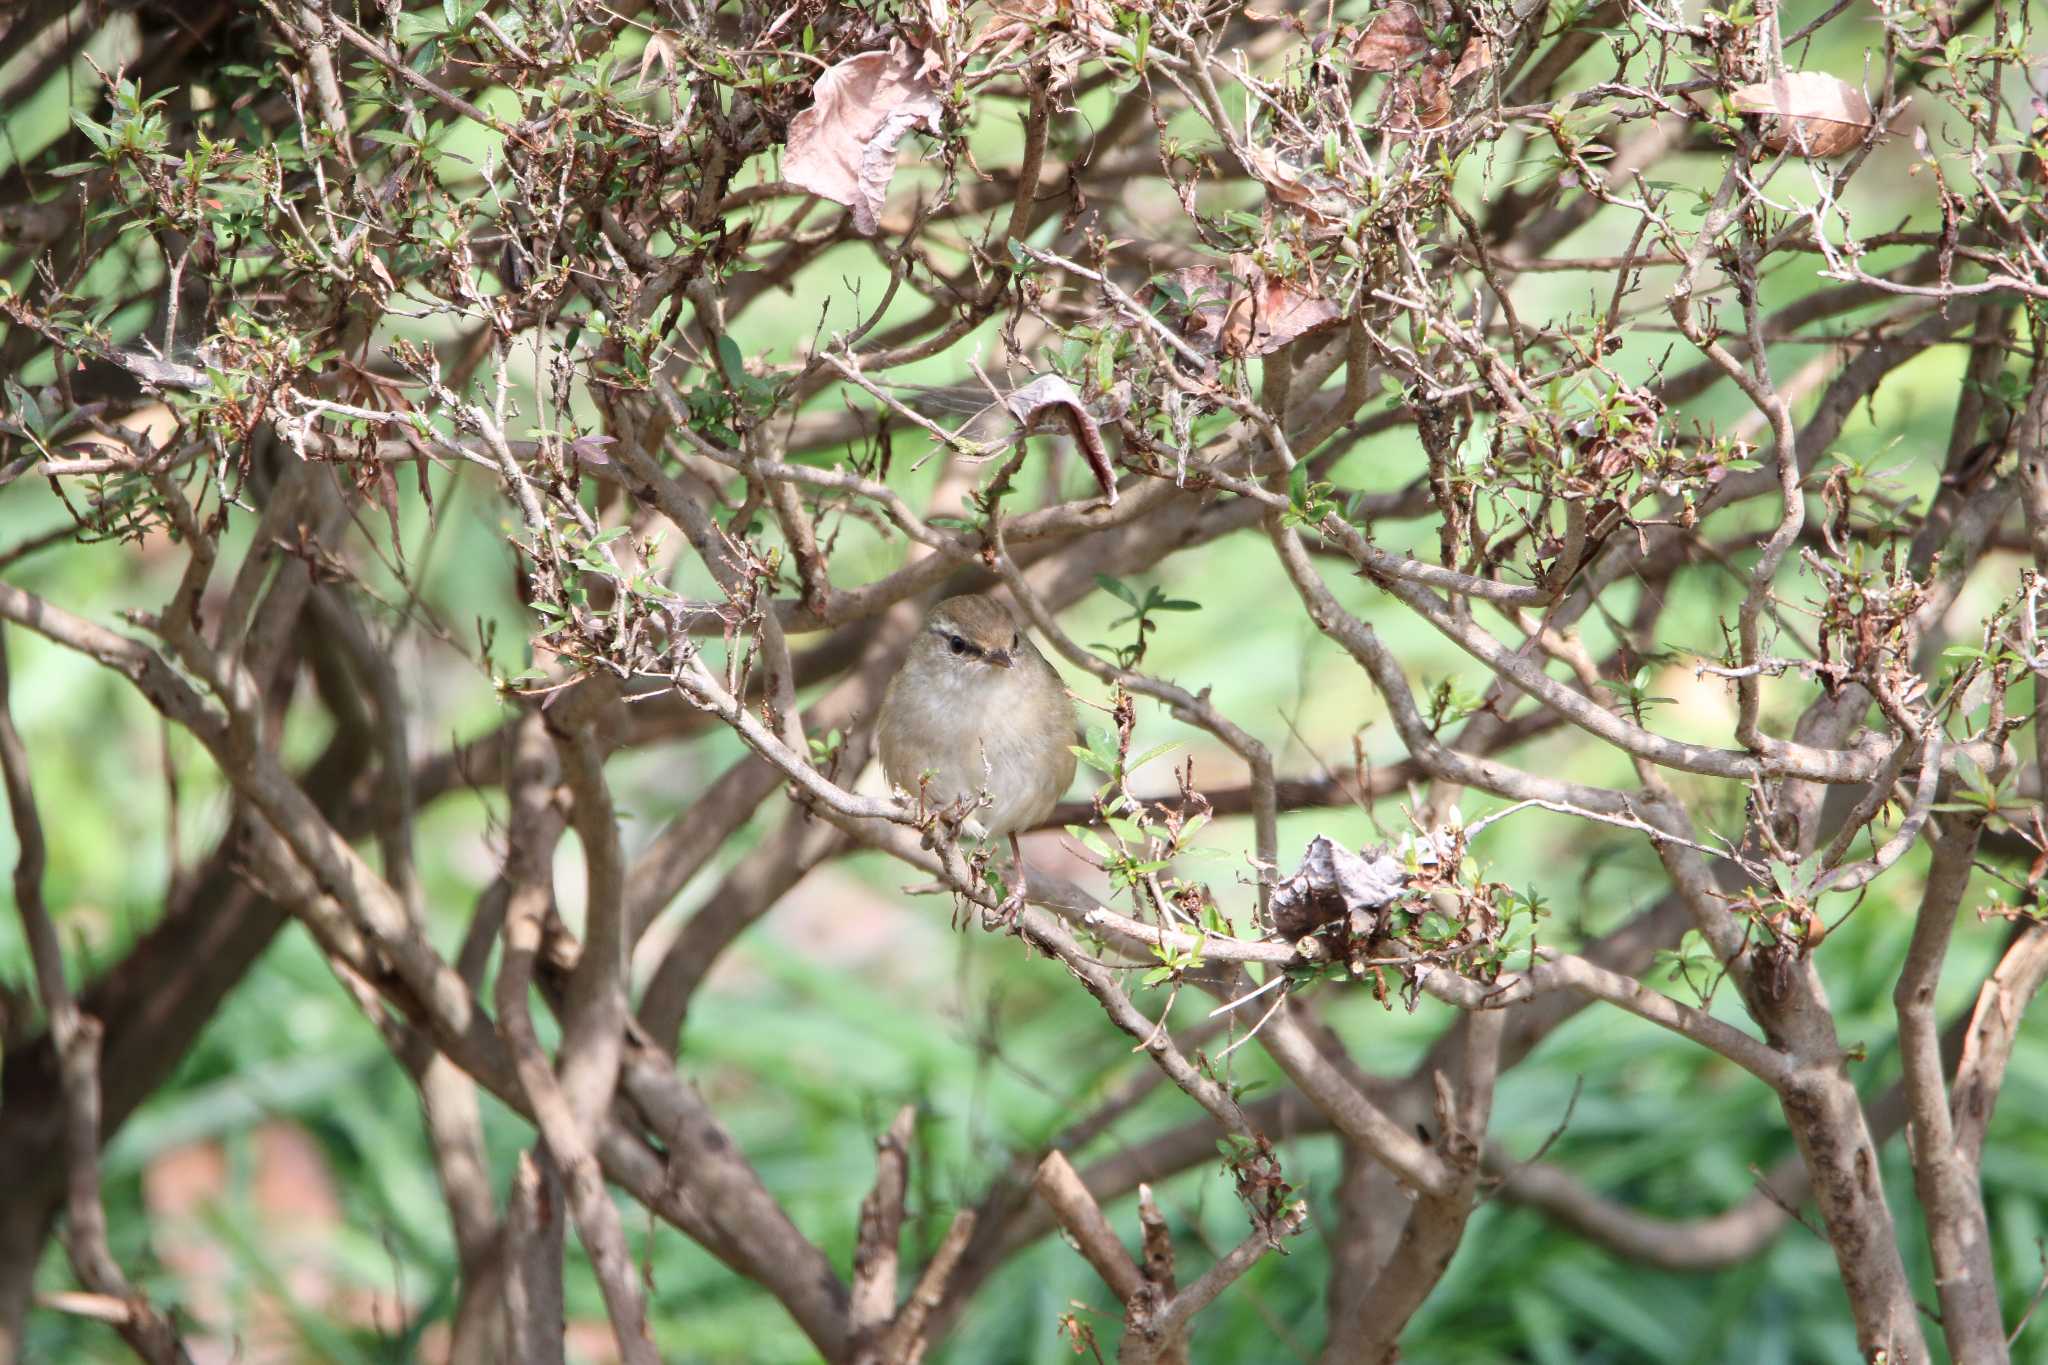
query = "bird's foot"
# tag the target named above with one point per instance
(1006, 915)
(1011, 910)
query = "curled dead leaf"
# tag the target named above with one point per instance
(1417, 103)
(1393, 41)
(843, 147)
(1323, 207)
(1476, 58)
(1249, 313)
(660, 51)
(1062, 32)
(1809, 113)
(383, 273)
(1334, 883)
(1432, 98)
(1271, 313)
(1050, 394)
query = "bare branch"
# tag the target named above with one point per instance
(77, 1039)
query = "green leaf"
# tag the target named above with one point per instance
(98, 133)
(1090, 757)
(731, 361)
(1091, 840)
(1150, 754)
(1170, 292)
(1116, 588)
(26, 409)
(1967, 769)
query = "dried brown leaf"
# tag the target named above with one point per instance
(1049, 393)
(1433, 98)
(1475, 59)
(1417, 103)
(1005, 32)
(660, 51)
(1248, 314)
(1062, 32)
(1393, 41)
(1271, 313)
(843, 147)
(1322, 207)
(1810, 113)
(1333, 883)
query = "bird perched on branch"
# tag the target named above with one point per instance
(976, 712)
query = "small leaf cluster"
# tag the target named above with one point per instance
(1142, 610)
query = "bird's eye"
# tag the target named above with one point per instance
(1017, 640)
(959, 645)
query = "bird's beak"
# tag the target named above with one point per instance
(1001, 658)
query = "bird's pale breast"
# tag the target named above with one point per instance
(982, 731)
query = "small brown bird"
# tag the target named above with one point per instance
(976, 710)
